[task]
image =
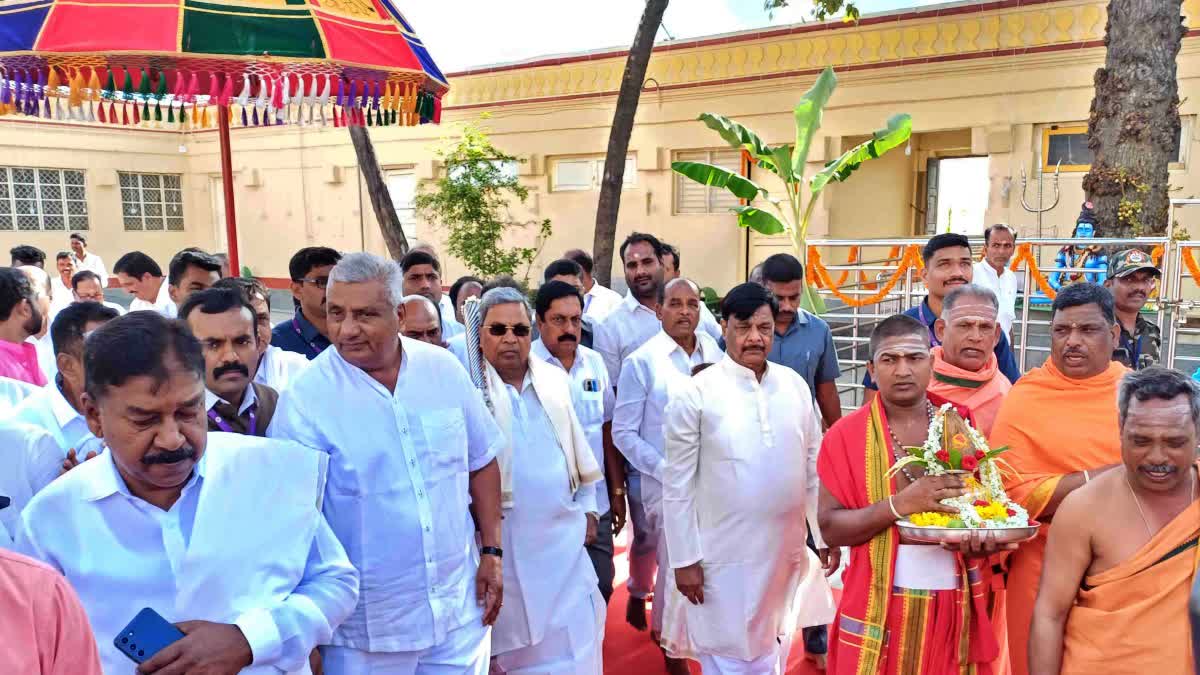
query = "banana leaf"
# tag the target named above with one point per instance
(807, 115)
(715, 176)
(739, 136)
(757, 220)
(811, 300)
(898, 131)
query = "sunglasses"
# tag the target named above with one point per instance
(500, 329)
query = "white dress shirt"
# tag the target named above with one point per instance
(31, 460)
(645, 388)
(740, 478)
(447, 308)
(545, 562)
(278, 367)
(398, 491)
(599, 302)
(625, 329)
(593, 400)
(12, 392)
(48, 409)
(451, 327)
(458, 347)
(1004, 286)
(162, 304)
(245, 544)
(60, 296)
(92, 263)
(47, 361)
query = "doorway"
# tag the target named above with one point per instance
(957, 195)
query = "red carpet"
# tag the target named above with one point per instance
(628, 652)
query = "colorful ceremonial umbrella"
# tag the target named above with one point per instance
(195, 64)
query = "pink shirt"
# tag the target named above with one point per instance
(44, 631)
(20, 362)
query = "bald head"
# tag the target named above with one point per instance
(679, 309)
(422, 320)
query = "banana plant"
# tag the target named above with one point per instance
(790, 214)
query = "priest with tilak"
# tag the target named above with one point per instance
(1060, 424)
(965, 371)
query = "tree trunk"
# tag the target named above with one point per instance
(381, 201)
(618, 139)
(1133, 130)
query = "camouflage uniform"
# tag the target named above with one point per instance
(1140, 349)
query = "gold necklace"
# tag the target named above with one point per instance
(1137, 502)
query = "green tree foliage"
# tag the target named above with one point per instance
(822, 9)
(471, 199)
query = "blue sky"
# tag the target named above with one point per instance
(471, 33)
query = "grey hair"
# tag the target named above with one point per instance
(756, 275)
(968, 291)
(502, 296)
(358, 268)
(1157, 383)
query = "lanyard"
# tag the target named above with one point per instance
(224, 426)
(311, 345)
(933, 341)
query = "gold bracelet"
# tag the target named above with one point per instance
(892, 506)
(619, 492)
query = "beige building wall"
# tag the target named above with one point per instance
(977, 83)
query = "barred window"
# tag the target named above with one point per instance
(692, 197)
(51, 200)
(151, 202)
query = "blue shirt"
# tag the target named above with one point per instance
(298, 335)
(1004, 353)
(807, 348)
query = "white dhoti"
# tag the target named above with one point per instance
(572, 644)
(466, 651)
(768, 664)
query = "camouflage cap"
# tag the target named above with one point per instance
(1129, 261)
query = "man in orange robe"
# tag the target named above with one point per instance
(965, 370)
(1060, 424)
(1120, 561)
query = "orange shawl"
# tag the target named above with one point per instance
(1133, 618)
(1053, 426)
(982, 391)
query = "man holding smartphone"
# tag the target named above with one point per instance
(220, 533)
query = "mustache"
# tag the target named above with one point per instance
(231, 368)
(1158, 468)
(170, 456)
(962, 279)
(567, 337)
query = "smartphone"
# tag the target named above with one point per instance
(146, 635)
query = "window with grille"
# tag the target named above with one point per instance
(692, 197)
(42, 199)
(151, 201)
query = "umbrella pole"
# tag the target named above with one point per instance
(227, 183)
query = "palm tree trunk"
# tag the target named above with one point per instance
(1133, 130)
(618, 139)
(381, 201)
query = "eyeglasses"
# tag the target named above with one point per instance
(319, 282)
(501, 329)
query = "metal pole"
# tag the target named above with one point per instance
(227, 183)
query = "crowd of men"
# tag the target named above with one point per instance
(397, 480)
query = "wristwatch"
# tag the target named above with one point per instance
(492, 550)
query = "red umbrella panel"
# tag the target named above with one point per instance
(345, 62)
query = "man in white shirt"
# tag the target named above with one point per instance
(142, 278)
(553, 617)
(559, 309)
(12, 392)
(60, 283)
(742, 440)
(423, 276)
(635, 320)
(190, 271)
(220, 533)
(999, 245)
(276, 367)
(58, 407)
(224, 323)
(31, 460)
(422, 320)
(412, 457)
(598, 300)
(86, 287)
(446, 302)
(671, 270)
(83, 259)
(647, 379)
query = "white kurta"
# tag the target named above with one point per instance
(549, 583)
(278, 367)
(92, 263)
(599, 301)
(162, 303)
(31, 460)
(244, 544)
(740, 478)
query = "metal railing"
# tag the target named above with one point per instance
(851, 326)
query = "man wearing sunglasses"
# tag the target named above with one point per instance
(552, 620)
(305, 333)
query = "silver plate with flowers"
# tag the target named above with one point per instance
(925, 534)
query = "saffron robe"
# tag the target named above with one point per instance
(981, 391)
(1053, 426)
(882, 629)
